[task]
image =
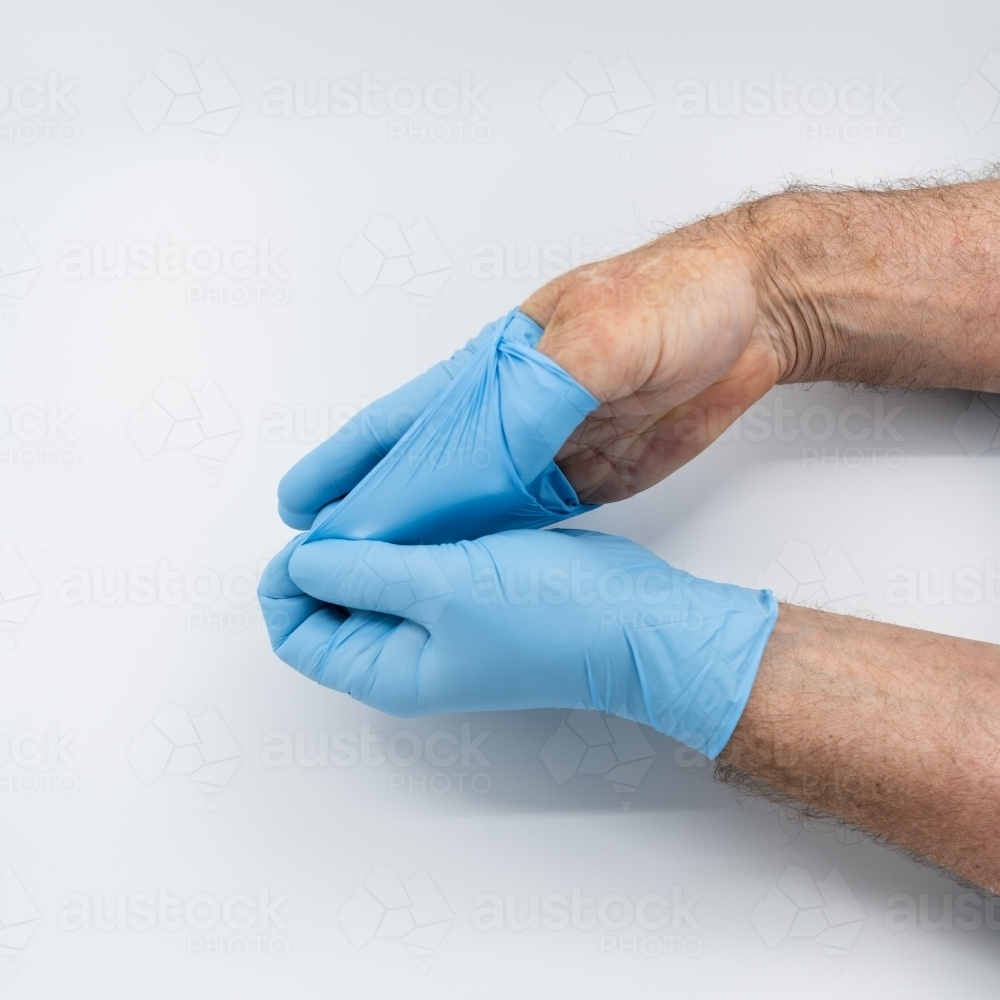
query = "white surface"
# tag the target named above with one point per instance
(103, 820)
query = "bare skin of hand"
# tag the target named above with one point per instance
(678, 338)
(664, 334)
(892, 729)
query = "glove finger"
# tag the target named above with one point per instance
(283, 603)
(408, 581)
(336, 466)
(373, 658)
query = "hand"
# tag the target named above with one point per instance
(666, 338)
(477, 459)
(520, 619)
(469, 446)
(335, 467)
(669, 338)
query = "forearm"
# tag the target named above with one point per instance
(886, 288)
(895, 730)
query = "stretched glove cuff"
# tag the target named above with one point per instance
(697, 675)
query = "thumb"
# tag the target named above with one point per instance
(284, 605)
(409, 581)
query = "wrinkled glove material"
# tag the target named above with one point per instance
(368, 602)
(520, 619)
(478, 457)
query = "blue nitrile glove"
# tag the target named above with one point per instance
(477, 457)
(520, 619)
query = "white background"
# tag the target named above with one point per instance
(910, 499)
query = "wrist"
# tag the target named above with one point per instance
(893, 288)
(793, 311)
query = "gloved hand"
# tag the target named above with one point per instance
(520, 619)
(464, 450)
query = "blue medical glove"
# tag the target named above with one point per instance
(520, 619)
(464, 450)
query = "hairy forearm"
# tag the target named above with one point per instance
(895, 730)
(883, 287)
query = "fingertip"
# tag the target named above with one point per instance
(294, 519)
(306, 646)
(275, 581)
